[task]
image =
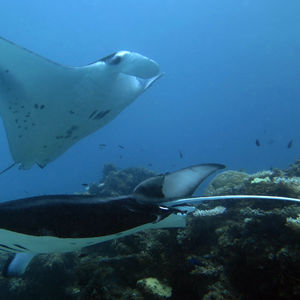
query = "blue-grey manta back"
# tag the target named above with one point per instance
(46, 107)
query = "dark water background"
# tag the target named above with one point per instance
(232, 71)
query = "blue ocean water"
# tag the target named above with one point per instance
(232, 72)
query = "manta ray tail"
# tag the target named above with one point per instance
(8, 168)
(17, 264)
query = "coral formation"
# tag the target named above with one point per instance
(276, 183)
(118, 182)
(293, 223)
(209, 212)
(154, 287)
(294, 169)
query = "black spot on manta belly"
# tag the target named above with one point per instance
(21, 247)
(4, 250)
(6, 247)
(93, 113)
(37, 106)
(70, 131)
(101, 114)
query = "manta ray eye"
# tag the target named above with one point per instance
(112, 59)
(115, 60)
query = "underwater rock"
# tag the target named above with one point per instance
(204, 266)
(294, 169)
(227, 183)
(154, 287)
(107, 169)
(271, 182)
(293, 223)
(118, 182)
(47, 278)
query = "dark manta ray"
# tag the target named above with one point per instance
(47, 107)
(63, 223)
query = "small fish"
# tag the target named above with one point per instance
(194, 261)
(290, 144)
(120, 146)
(180, 154)
(257, 142)
(102, 145)
(85, 184)
(150, 164)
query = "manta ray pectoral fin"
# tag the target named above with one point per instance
(172, 221)
(182, 183)
(16, 265)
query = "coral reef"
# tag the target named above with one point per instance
(246, 249)
(118, 182)
(294, 169)
(275, 182)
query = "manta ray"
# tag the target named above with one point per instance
(64, 223)
(47, 107)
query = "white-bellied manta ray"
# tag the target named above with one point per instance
(47, 107)
(64, 223)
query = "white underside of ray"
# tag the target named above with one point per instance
(50, 244)
(46, 107)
